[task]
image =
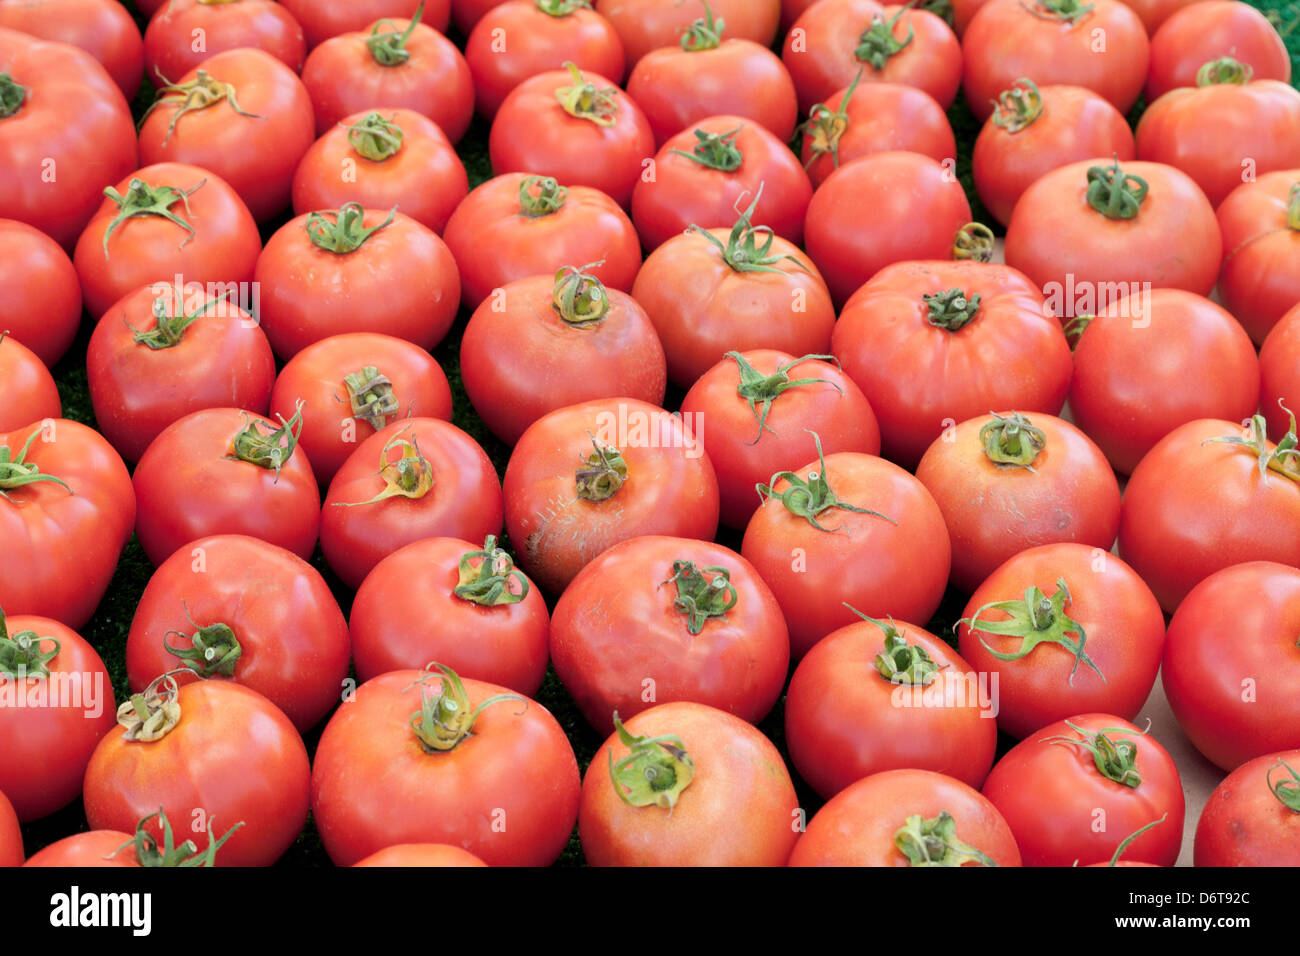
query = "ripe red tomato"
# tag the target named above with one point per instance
(646, 25)
(97, 848)
(1260, 222)
(421, 854)
(170, 38)
(551, 342)
(1008, 483)
(116, 848)
(322, 19)
(235, 608)
(211, 754)
(102, 28)
(963, 11)
(42, 303)
(1077, 788)
(1253, 817)
(466, 13)
(1279, 366)
(1149, 363)
(908, 817)
(535, 226)
(226, 471)
(492, 623)
(414, 478)
(1154, 13)
(66, 510)
(11, 837)
(1191, 37)
(31, 394)
(691, 786)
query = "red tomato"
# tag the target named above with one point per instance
(492, 623)
(322, 19)
(1279, 366)
(466, 13)
(163, 352)
(1154, 13)
(534, 226)
(1253, 817)
(1196, 34)
(1260, 279)
(115, 848)
(1077, 788)
(11, 837)
(235, 608)
(42, 303)
(355, 270)
(585, 477)
(963, 11)
(1008, 483)
(102, 28)
(557, 342)
(97, 848)
(421, 854)
(884, 695)
(66, 510)
(646, 25)
(415, 478)
(1152, 362)
(691, 786)
(215, 753)
(161, 222)
(30, 392)
(759, 406)
(224, 25)
(792, 10)
(65, 134)
(907, 818)
(509, 795)
(225, 471)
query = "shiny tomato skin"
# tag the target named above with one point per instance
(1279, 367)
(740, 808)
(322, 19)
(1189, 38)
(42, 304)
(646, 25)
(1244, 824)
(31, 393)
(421, 854)
(11, 837)
(97, 848)
(102, 28)
(262, 24)
(1258, 282)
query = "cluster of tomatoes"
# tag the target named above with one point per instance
(868, 406)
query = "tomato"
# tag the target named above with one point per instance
(910, 817)
(884, 695)
(322, 19)
(1194, 35)
(847, 529)
(163, 352)
(1154, 13)
(96, 848)
(691, 786)
(515, 41)
(1260, 222)
(491, 622)
(165, 221)
(1152, 362)
(11, 838)
(759, 406)
(212, 752)
(421, 854)
(116, 848)
(791, 10)
(56, 702)
(31, 394)
(1086, 231)
(1207, 497)
(351, 386)
(585, 477)
(102, 28)
(556, 342)
(235, 608)
(1279, 361)
(646, 25)
(65, 134)
(535, 226)
(42, 303)
(466, 13)
(224, 25)
(66, 510)
(226, 471)
(415, 478)
(1008, 483)
(1035, 130)
(1077, 788)
(1101, 46)
(963, 11)
(1253, 817)
(509, 795)
(355, 270)
(881, 209)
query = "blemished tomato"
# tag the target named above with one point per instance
(577, 127)
(685, 784)
(1007, 483)
(759, 406)
(235, 608)
(1054, 42)
(535, 226)
(1205, 31)
(1053, 787)
(350, 387)
(497, 766)
(414, 478)
(646, 25)
(355, 270)
(322, 19)
(421, 854)
(881, 209)
(848, 529)
(1260, 278)
(226, 471)
(58, 703)
(1035, 130)
(116, 848)
(1234, 702)
(224, 25)
(1210, 495)
(659, 619)
(66, 511)
(1253, 817)
(214, 751)
(886, 695)
(1151, 362)
(912, 817)
(517, 40)
(449, 599)
(549, 342)
(30, 392)
(11, 837)
(102, 28)
(162, 352)
(65, 134)
(585, 477)
(1279, 379)
(41, 307)
(164, 221)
